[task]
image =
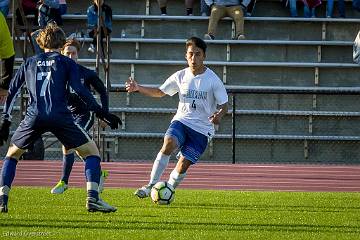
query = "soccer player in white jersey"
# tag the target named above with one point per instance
(202, 104)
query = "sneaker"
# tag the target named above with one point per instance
(241, 37)
(209, 37)
(59, 188)
(104, 175)
(98, 206)
(3, 204)
(91, 48)
(144, 191)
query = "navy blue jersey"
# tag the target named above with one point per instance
(90, 80)
(48, 77)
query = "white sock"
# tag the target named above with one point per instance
(159, 167)
(92, 186)
(4, 190)
(176, 178)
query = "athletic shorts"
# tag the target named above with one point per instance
(190, 142)
(69, 133)
(85, 120)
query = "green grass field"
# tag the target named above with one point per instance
(36, 214)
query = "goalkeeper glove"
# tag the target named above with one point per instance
(112, 120)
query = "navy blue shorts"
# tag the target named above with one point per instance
(85, 120)
(190, 142)
(69, 133)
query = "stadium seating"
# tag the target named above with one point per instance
(279, 51)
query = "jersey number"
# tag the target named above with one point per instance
(40, 77)
(193, 105)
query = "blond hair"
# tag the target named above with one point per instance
(51, 37)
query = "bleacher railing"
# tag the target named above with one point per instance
(234, 91)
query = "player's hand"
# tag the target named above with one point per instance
(4, 131)
(215, 118)
(131, 85)
(112, 120)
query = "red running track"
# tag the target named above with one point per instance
(254, 177)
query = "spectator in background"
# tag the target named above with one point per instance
(7, 57)
(309, 8)
(30, 8)
(330, 8)
(92, 20)
(4, 7)
(224, 8)
(204, 8)
(189, 4)
(51, 11)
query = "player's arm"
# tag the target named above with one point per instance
(222, 99)
(217, 116)
(132, 86)
(14, 90)
(100, 88)
(85, 95)
(74, 81)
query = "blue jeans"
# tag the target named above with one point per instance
(307, 11)
(204, 8)
(330, 8)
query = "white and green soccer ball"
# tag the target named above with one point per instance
(162, 193)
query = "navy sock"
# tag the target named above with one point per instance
(68, 162)
(8, 171)
(92, 173)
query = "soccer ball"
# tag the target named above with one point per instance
(162, 193)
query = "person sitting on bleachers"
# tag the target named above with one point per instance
(4, 7)
(330, 8)
(224, 8)
(51, 11)
(204, 8)
(309, 7)
(189, 4)
(92, 20)
(7, 57)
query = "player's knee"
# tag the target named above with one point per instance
(14, 152)
(88, 149)
(170, 144)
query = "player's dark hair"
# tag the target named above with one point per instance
(197, 42)
(51, 37)
(72, 42)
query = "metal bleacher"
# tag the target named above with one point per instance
(279, 53)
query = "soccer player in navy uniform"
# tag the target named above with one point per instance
(48, 77)
(81, 113)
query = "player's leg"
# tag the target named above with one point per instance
(172, 140)
(85, 121)
(179, 172)
(23, 137)
(8, 174)
(90, 153)
(68, 162)
(73, 136)
(194, 145)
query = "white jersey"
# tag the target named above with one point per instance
(198, 98)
